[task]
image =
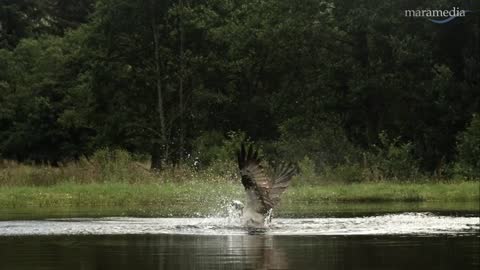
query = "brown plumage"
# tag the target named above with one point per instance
(263, 190)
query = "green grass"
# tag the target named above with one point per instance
(388, 192)
(116, 194)
(128, 186)
(195, 197)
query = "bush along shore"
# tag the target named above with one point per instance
(115, 179)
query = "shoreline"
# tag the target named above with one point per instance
(196, 198)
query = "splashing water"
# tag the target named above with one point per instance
(234, 210)
(395, 224)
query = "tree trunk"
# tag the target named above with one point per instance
(159, 150)
(156, 159)
(181, 147)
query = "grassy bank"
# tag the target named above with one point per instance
(208, 198)
(103, 182)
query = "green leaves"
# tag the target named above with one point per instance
(321, 79)
(468, 147)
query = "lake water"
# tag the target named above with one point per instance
(400, 240)
(171, 251)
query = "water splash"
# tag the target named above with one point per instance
(234, 210)
(395, 224)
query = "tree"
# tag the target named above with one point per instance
(33, 103)
(468, 147)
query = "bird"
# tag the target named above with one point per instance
(263, 189)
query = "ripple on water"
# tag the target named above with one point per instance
(395, 224)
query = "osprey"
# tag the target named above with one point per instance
(263, 190)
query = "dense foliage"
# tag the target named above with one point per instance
(334, 84)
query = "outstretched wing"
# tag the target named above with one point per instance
(282, 176)
(253, 175)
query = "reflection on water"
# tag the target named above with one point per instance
(239, 252)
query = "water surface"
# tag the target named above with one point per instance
(173, 251)
(390, 224)
(359, 238)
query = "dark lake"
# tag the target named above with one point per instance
(376, 240)
(239, 252)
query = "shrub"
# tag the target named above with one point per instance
(325, 145)
(467, 165)
(391, 159)
(214, 149)
(114, 165)
(345, 173)
(307, 173)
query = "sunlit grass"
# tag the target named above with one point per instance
(198, 196)
(126, 184)
(387, 192)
